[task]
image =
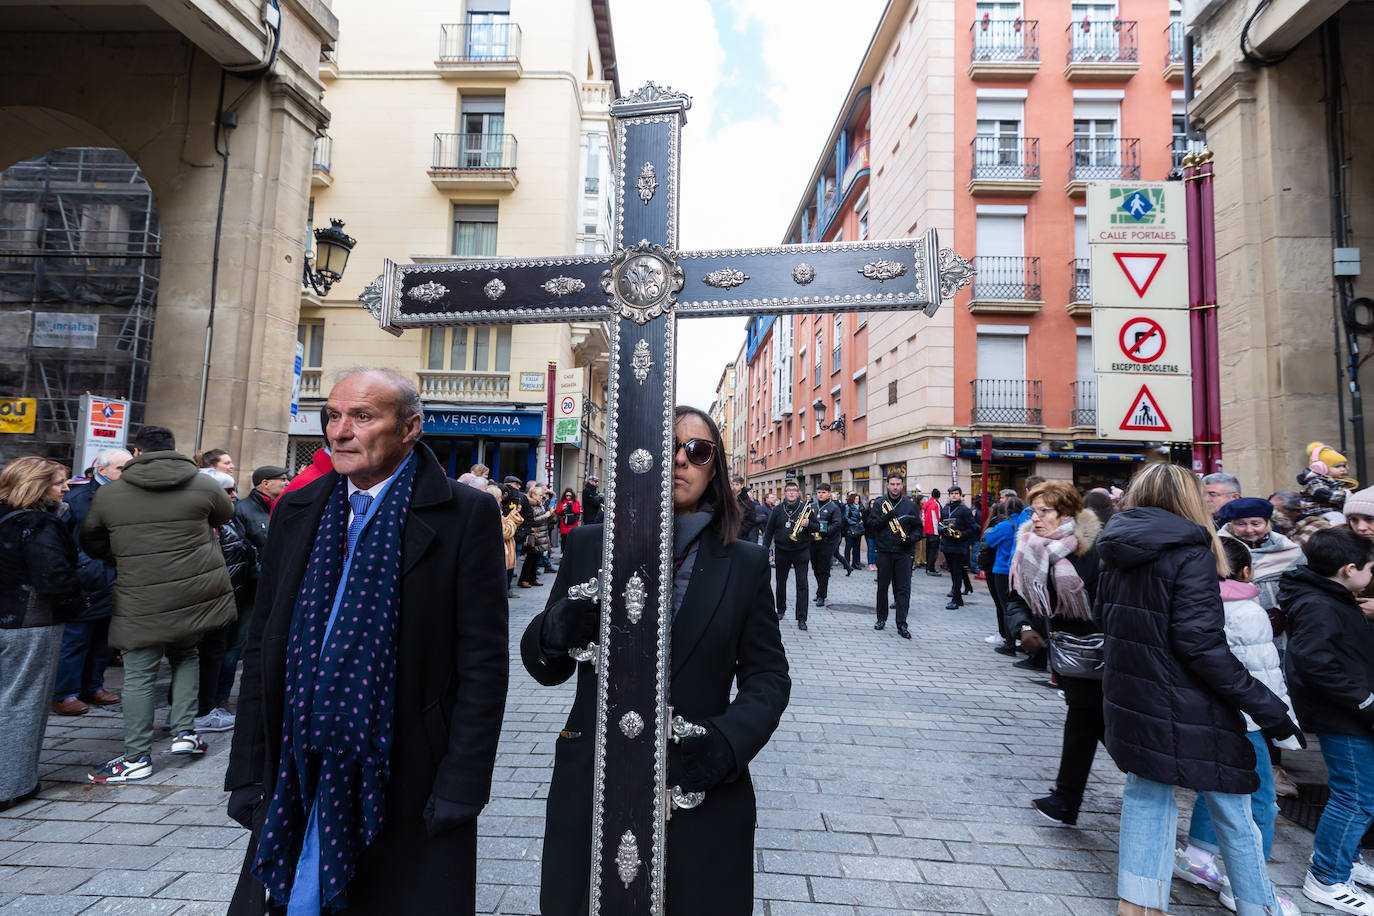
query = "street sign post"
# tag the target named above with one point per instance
(104, 423)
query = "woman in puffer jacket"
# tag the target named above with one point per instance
(1173, 692)
(1249, 634)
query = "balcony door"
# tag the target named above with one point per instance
(1093, 34)
(483, 128)
(999, 39)
(488, 30)
(1097, 140)
(1001, 386)
(997, 149)
(1000, 257)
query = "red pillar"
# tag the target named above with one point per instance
(548, 425)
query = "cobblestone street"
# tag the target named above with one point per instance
(899, 781)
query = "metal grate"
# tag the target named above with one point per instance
(479, 41)
(300, 451)
(1084, 411)
(1103, 41)
(1081, 280)
(1006, 402)
(1104, 159)
(1006, 279)
(1006, 158)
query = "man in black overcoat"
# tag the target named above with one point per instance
(451, 659)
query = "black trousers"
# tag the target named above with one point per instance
(794, 560)
(822, 552)
(530, 570)
(894, 569)
(851, 551)
(212, 648)
(932, 551)
(1084, 727)
(1000, 584)
(958, 575)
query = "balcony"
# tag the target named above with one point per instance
(858, 162)
(1180, 147)
(1084, 412)
(486, 49)
(1007, 49)
(321, 162)
(464, 387)
(1102, 159)
(1006, 285)
(1173, 58)
(1102, 50)
(1006, 402)
(597, 96)
(329, 63)
(310, 383)
(1080, 287)
(474, 161)
(1005, 165)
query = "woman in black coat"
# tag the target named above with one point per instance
(724, 632)
(1174, 691)
(1053, 579)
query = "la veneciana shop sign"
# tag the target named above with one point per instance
(484, 423)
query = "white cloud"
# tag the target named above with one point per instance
(742, 180)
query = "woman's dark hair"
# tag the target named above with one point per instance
(1100, 502)
(210, 458)
(1237, 554)
(568, 494)
(1010, 507)
(1330, 549)
(725, 516)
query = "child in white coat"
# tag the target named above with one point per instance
(1251, 639)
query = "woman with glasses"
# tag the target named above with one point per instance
(724, 633)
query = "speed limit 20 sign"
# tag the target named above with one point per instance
(1141, 341)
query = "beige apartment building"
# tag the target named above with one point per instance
(467, 131)
(134, 113)
(1294, 186)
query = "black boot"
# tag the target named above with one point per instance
(880, 624)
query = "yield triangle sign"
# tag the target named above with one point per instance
(1140, 269)
(1145, 415)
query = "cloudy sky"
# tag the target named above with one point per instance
(767, 78)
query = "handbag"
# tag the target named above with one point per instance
(1078, 656)
(986, 557)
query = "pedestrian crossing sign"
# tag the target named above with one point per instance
(1145, 414)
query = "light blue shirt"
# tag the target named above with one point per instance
(305, 889)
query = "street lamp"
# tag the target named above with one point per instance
(754, 456)
(332, 248)
(837, 424)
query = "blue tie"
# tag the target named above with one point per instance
(360, 503)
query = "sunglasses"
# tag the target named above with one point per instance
(700, 452)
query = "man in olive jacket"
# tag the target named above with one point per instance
(171, 586)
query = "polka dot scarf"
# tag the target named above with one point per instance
(336, 740)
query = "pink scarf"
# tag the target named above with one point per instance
(1036, 559)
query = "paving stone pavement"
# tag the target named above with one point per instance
(898, 781)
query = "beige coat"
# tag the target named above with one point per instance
(509, 523)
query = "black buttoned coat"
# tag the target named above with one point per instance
(725, 633)
(453, 661)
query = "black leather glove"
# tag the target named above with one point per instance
(701, 763)
(443, 816)
(570, 624)
(1285, 729)
(242, 803)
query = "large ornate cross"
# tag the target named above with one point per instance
(642, 289)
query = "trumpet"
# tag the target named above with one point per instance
(892, 523)
(800, 523)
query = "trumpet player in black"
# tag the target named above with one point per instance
(826, 541)
(893, 525)
(790, 530)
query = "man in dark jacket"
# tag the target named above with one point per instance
(830, 517)
(593, 502)
(958, 531)
(156, 523)
(749, 511)
(251, 516)
(893, 525)
(1329, 666)
(411, 565)
(85, 640)
(255, 511)
(791, 554)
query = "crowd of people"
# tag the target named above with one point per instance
(1194, 631)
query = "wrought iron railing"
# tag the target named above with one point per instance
(1006, 40)
(1010, 279)
(858, 161)
(1180, 147)
(457, 152)
(479, 41)
(323, 157)
(1003, 158)
(1178, 46)
(1104, 159)
(1006, 402)
(1081, 280)
(1108, 41)
(1084, 412)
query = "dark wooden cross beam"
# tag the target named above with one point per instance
(642, 289)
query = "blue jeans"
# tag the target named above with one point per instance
(81, 662)
(1264, 805)
(1149, 820)
(1350, 810)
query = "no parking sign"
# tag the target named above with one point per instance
(1141, 341)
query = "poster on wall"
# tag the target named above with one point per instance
(66, 330)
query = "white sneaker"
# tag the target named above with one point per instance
(188, 744)
(993, 640)
(216, 720)
(1344, 898)
(1361, 872)
(1228, 900)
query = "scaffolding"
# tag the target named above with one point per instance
(79, 236)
